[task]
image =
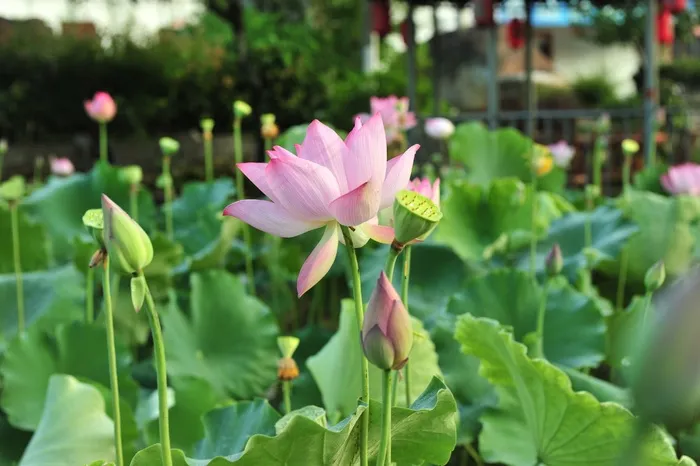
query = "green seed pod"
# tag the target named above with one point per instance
(415, 216)
(94, 221)
(207, 125)
(132, 174)
(13, 189)
(241, 109)
(287, 346)
(127, 244)
(169, 146)
(138, 291)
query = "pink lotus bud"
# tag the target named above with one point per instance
(423, 187)
(101, 108)
(387, 332)
(439, 128)
(61, 166)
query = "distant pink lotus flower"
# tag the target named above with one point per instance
(395, 115)
(61, 166)
(329, 182)
(562, 153)
(439, 128)
(101, 108)
(682, 179)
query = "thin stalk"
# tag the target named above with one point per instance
(587, 233)
(208, 157)
(134, 202)
(287, 390)
(168, 191)
(359, 315)
(626, 173)
(539, 349)
(267, 144)
(404, 297)
(471, 451)
(103, 143)
(387, 383)
(621, 280)
(647, 309)
(2, 163)
(391, 262)
(112, 360)
(14, 219)
(240, 194)
(533, 221)
(598, 148)
(159, 354)
(90, 296)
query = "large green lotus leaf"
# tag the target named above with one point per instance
(50, 297)
(540, 419)
(336, 367)
(151, 456)
(74, 428)
(666, 231)
(609, 232)
(76, 349)
(421, 434)
(436, 274)
(229, 428)
(574, 328)
(477, 216)
(61, 203)
(229, 340)
(167, 256)
(625, 330)
(33, 242)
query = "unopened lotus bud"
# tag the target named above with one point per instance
(132, 174)
(169, 146)
(655, 276)
(554, 262)
(138, 291)
(127, 244)
(287, 346)
(387, 331)
(98, 257)
(241, 109)
(207, 125)
(94, 221)
(287, 369)
(630, 147)
(13, 189)
(3, 147)
(415, 216)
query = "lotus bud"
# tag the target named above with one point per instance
(164, 180)
(268, 128)
(439, 128)
(287, 346)
(241, 109)
(132, 174)
(387, 331)
(207, 125)
(93, 219)
(138, 291)
(13, 189)
(655, 276)
(630, 147)
(169, 146)
(127, 244)
(3, 147)
(554, 262)
(101, 108)
(415, 216)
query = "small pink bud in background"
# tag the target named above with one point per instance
(61, 166)
(439, 128)
(423, 187)
(101, 108)
(387, 332)
(562, 153)
(554, 261)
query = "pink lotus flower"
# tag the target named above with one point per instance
(329, 182)
(61, 166)
(439, 128)
(562, 153)
(682, 179)
(101, 108)
(395, 115)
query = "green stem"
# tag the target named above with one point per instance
(167, 178)
(587, 234)
(391, 262)
(533, 221)
(404, 297)
(134, 202)
(626, 173)
(359, 314)
(2, 163)
(621, 280)
(287, 389)
(267, 144)
(240, 194)
(159, 356)
(598, 163)
(103, 143)
(539, 350)
(112, 360)
(14, 219)
(471, 451)
(208, 158)
(90, 296)
(387, 382)
(647, 309)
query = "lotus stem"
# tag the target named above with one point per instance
(622, 279)
(539, 349)
(168, 191)
(387, 383)
(404, 297)
(533, 219)
(240, 194)
(208, 157)
(359, 314)
(103, 143)
(391, 262)
(134, 202)
(14, 219)
(90, 296)
(287, 389)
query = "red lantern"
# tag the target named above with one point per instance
(381, 18)
(675, 6)
(516, 34)
(483, 13)
(405, 29)
(665, 27)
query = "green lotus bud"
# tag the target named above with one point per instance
(164, 180)
(169, 146)
(415, 216)
(94, 221)
(132, 174)
(387, 331)
(655, 276)
(3, 147)
(207, 125)
(630, 146)
(241, 109)
(138, 291)
(554, 262)
(665, 366)
(287, 346)
(13, 189)
(127, 244)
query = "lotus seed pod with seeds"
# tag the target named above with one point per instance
(207, 125)
(287, 346)
(415, 216)
(287, 369)
(241, 109)
(169, 146)
(132, 174)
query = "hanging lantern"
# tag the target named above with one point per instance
(665, 27)
(405, 29)
(675, 6)
(515, 34)
(381, 17)
(483, 13)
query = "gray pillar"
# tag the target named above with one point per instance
(650, 84)
(411, 51)
(531, 98)
(437, 64)
(366, 13)
(493, 84)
